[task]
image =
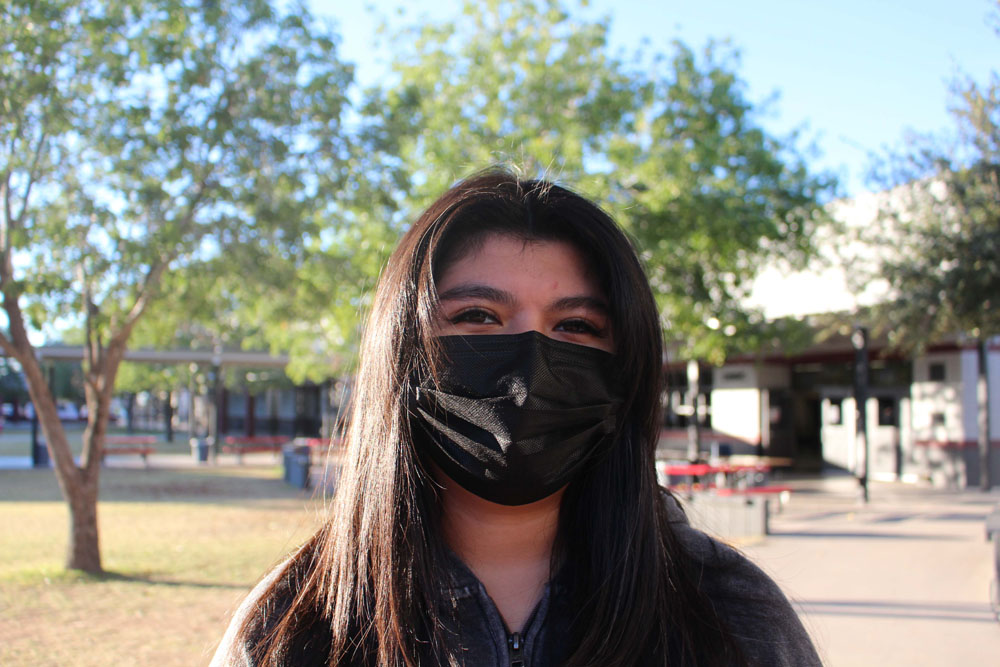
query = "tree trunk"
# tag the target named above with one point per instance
(78, 483)
(84, 548)
(168, 416)
(983, 408)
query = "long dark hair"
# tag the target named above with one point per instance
(365, 589)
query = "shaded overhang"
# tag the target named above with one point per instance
(252, 358)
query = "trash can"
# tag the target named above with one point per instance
(199, 450)
(40, 454)
(296, 461)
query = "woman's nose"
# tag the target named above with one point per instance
(527, 321)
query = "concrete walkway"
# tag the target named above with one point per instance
(901, 581)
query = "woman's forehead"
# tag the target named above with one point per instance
(501, 252)
(523, 265)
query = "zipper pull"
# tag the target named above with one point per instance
(515, 646)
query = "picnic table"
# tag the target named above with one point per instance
(748, 476)
(723, 474)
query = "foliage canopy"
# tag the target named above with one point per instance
(943, 212)
(194, 171)
(143, 143)
(668, 141)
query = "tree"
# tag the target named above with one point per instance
(669, 141)
(141, 141)
(942, 211)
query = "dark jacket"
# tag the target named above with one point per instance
(757, 613)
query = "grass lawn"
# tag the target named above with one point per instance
(181, 547)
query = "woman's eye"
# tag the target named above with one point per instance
(473, 316)
(577, 326)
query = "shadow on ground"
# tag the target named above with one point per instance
(152, 580)
(934, 611)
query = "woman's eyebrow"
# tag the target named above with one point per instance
(583, 301)
(477, 291)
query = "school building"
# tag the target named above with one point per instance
(921, 411)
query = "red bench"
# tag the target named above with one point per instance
(248, 444)
(143, 445)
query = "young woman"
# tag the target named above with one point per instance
(499, 504)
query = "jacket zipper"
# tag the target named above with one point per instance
(515, 645)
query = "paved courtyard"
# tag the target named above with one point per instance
(901, 581)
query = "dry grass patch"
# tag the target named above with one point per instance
(181, 547)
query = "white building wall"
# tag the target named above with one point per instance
(970, 367)
(937, 406)
(906, 438)
(736, 412)
(837, 431)
(945, 426)
(842, 447)
(740, 402)
(736, 402)
(970, 456)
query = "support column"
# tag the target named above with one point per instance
(859, 339)
(694, 435)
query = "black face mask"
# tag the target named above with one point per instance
(515, 417)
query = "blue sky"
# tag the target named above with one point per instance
(855, 75)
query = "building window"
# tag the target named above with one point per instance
(937, 419)
(887, 412)
(936, 371)
(835, 412)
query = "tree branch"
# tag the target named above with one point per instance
(5, 184)
(12, 221)
(156, 270)
(15, 323)
(92, 347)
(15, 135)
(149, 284)
(8, 346)
(10, 305)
(5, 229)
(32, 177)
